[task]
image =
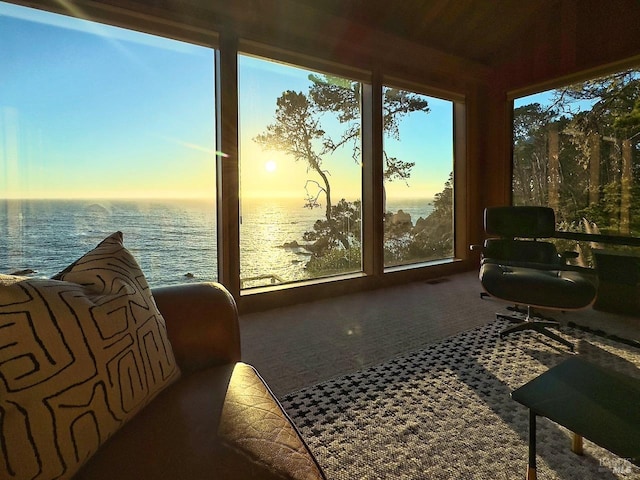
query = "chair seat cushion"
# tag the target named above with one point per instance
(560, 289)
(218, 423)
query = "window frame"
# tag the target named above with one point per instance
(460, 178)
(458, 127)
(292, 59)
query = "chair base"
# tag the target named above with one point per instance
(537, 323)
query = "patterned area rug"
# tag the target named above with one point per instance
(444, 412)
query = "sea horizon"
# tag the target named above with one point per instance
(173, 239)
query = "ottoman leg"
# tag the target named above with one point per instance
(531, 469)
(576, 444)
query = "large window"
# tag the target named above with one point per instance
(418, 176)
(300, 173)
(104, 129)
(576, 149)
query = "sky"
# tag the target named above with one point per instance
(547, 98)
(92, 111)
(426, 139)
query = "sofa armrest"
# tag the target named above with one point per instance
(202, 324)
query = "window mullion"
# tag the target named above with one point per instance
(227, 164)
(462, 225)
(372, 181)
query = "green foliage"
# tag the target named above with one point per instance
(591, 146)
(335, 261)
(295, 130)
(346, 218)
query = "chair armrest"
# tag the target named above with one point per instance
(555, 267)
(202, 324)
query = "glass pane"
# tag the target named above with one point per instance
(418, 163)
(576, 149)
(104, 129)
(300, 174)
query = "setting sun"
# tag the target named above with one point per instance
(270, 166)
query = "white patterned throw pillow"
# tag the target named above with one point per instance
(79, 356)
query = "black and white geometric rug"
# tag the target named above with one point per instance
(444, 412)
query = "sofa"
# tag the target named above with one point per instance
(102, 377)
(219, 420)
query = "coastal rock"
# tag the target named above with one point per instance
(292, 244)
(400, 218)
(322, 244)
(307, 247)
(421, 224)
(189, 275)
(26, 271)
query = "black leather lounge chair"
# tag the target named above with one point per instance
(519, 268)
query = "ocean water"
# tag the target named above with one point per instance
(174, 241)
(168, 238)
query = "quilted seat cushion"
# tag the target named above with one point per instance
(220, 422)
(542, 288)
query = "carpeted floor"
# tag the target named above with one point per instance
(444, 412)
(302, 345)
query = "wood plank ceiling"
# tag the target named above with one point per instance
(483, 34)
(484, 31)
